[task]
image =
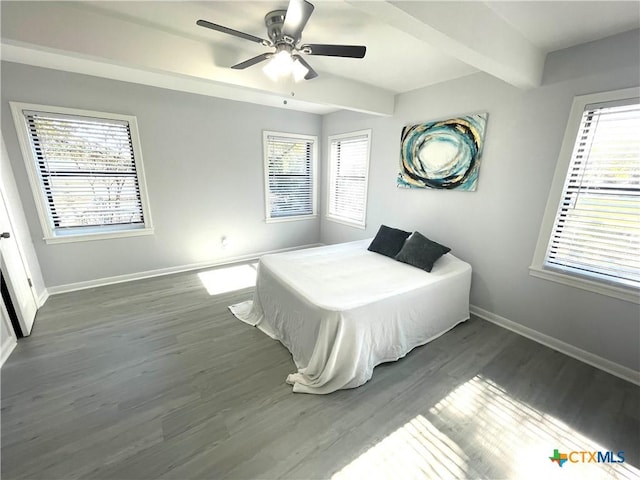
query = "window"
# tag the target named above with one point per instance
(290, 176)
(593, 236)
(348, 172)
(85, 170)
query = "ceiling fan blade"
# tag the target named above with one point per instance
(297, 16)
(231, 31)
(351, 51)
(311, 73)
(252, 61)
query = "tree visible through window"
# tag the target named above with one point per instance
(289, 175)
(87, 172)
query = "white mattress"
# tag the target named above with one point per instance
(341, 310)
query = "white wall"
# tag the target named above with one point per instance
(496, 228)
(203, 163)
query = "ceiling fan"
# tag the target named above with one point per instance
(284, 29)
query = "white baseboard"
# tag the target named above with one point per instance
(44, 295)
(99, 282)
(608, 366)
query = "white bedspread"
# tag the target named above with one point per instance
(341, 310)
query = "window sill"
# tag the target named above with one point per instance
(621, 293)
(290, 219)
(86, 237)
(343, 221)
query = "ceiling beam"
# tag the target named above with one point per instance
(469, 31)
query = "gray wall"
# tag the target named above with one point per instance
(203, 163)
(496, 228)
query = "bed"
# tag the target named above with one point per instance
(341, 310)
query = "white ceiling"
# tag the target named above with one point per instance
(553, 25)
(410, 44)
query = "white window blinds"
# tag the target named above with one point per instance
(348, 170)
(87, 170)
(597, 227)
(290, 178)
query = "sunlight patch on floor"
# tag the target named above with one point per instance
(415, 450)
(489, 434)
(521, 438)
(228, 279)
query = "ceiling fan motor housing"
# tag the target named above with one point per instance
(274, 21)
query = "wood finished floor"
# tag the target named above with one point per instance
(156, 379)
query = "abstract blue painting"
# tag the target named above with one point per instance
(444, 154)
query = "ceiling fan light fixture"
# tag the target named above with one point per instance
(282, 65)
(279, 66)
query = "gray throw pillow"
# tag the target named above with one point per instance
(388, 241)
(421, 252)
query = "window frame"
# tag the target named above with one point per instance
(313, 140)
(537, 267)
(78, 234)
(330, 179)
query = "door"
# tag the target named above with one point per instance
(15, 273)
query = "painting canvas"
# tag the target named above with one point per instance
(444, 154)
